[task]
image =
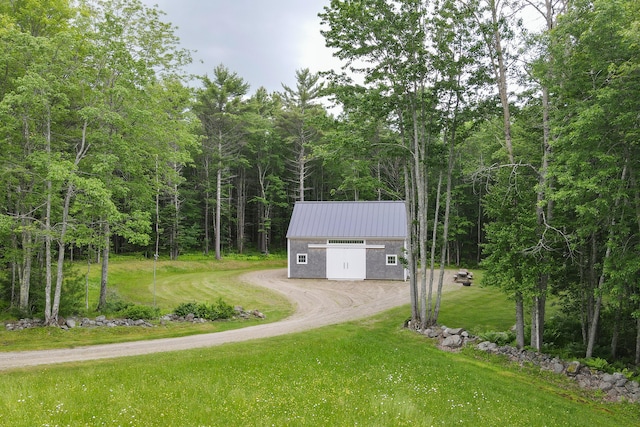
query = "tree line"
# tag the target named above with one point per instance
(515, 147)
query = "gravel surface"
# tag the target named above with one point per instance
(318, 303)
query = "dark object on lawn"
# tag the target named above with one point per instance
(463, 276)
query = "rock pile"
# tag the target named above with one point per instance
(449, 338)
(239, 313)
(23, 324)
(244, 314)
(74, 322)
(615, 386)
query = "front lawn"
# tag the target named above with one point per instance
(370, 372)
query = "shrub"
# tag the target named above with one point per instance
(596, 363)
(500, 338)
(225, 311)
(115, 303)
(219, 310)
(562, 330)
(136, 312)
(186, 308)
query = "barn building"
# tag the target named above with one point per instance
(347, 240)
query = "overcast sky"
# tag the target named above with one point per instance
(263, 41)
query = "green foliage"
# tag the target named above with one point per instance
(512, 231)
(72, 294)
(596, 363)
(115, 303)
(500, 338)
(215, 311)
(561, 330)
(137, 312)
(186, 308)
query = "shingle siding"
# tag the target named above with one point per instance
(377, 267)
(381, 225)
(316, 266)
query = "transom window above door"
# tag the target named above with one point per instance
(345, 242)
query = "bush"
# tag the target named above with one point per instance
(137, 312)
(115, 303)
(186, 308)
(500, 338)
(562, 330)
(219, 310)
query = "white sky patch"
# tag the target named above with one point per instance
(311, 50)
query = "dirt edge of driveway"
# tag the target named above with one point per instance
(317, 302)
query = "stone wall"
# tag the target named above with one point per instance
(616, 387)
(103, 321)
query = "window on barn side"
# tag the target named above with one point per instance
(392, 259)
(302, 258)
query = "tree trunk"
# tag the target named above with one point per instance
(637, 359)
(81, 152)
(27, 259)
(479, 225)
(494, 43)
(593, 327)
(519, 320)
(596, 314)
(615, 334)
(14, 269)
(264, 212)
(421, 196)
(430, 319)
(637, 205)
(411, 264)
(447, 211)
(218, 210)
(537, 317)
(302, 172)
(52, 319)
(175, 227)
(240, 210)
(86, 279)
(207, 196)
(104, 274)
(47, 239)
(539, 303)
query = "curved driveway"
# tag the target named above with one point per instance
(318, 303)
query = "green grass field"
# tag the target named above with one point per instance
(369, 373)
(131, 280)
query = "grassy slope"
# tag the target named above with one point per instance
(176, 282)
(184, 281)
(370, 372)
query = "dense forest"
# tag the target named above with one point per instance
(513, 141)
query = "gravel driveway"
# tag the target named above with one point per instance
(318, 303)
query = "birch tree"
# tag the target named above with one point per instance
(549, 10)
(396, 47)
(495, 20)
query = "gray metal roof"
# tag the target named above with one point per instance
(348, 220)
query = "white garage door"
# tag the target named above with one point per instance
(344, 263)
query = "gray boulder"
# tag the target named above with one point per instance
(452, 341)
